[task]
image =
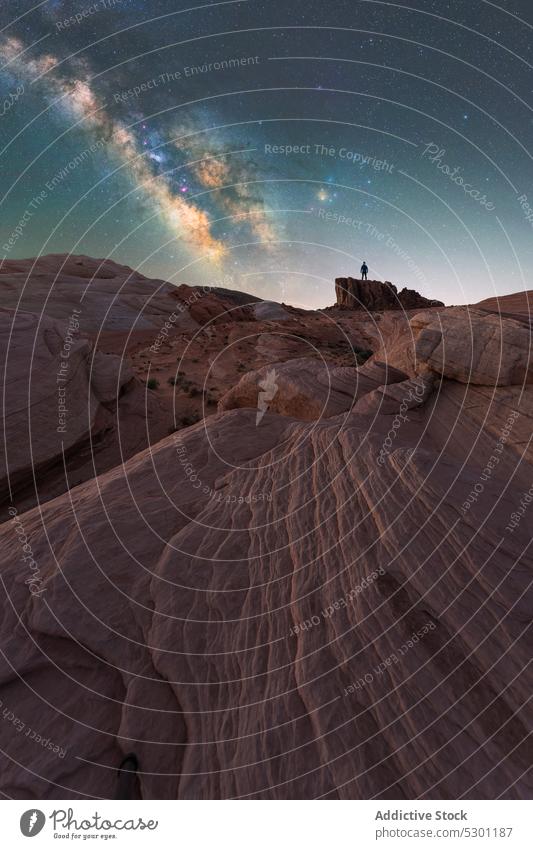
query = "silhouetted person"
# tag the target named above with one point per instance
(364, 271)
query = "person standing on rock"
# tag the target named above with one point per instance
(364, 271)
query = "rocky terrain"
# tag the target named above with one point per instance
(165, 353)
(312, 579)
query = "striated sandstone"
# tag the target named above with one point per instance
(238, 602)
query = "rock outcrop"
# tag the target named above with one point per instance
(111, 297)
(68, 410)
(472, 347)
(120, 336)
(372, 295)
(307, 389)
(518, 305)
(464, 344)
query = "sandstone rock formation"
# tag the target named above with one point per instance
(471, 347)
(464, 344)
(518, 305)
(55, 397)
(307, 389)
(333, 602)
(111, 297)
(373, 295)
(123, 334)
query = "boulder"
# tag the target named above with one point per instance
(473, 346)
(307, 388)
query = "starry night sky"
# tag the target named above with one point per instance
(410, 127)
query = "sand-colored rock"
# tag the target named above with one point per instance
(69, 411)
(473, 347)
(55, 394)
(518, 305)
(123, 326)
(333, 602)
(110, 297)
(231, 633)
(307, 389)
(398, 397)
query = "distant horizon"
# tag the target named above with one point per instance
(250, 291)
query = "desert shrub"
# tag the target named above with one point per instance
(190, 420)
(153, 383)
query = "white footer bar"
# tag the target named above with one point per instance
(269, 825)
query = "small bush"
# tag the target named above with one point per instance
(190, 420)
(153, 383)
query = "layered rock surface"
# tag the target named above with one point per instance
(518, 305)
(64, 405)
(138, 355)
(329, 600)
(472, 347)
(69, 410)
(111, 297)
(464, 344)
(307, 388)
